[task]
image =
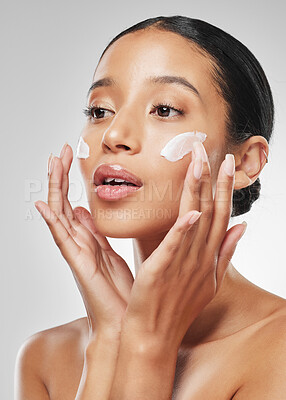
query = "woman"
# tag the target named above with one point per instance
(189, 326)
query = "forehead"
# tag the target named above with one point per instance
(154, 52)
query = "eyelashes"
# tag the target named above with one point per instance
(168, 106)
(90, 111)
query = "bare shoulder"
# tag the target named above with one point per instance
(269, 335)
(43, 354)
(54, 339)
(266, 377)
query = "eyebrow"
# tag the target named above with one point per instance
(171, 79)
(164, 79)
(104, 82)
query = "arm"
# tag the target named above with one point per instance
(174, 284)
(99, 366)
(145, 370)
(102, 276)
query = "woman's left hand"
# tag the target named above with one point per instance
(184, 273)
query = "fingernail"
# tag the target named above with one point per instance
(229, 165)
(49, 161)
(201, 151)
(197, 151)
(63, 150)
(50, 164)
(204, 153)
(195, 216)
(36, 205)
(245, 226)
(198, 168)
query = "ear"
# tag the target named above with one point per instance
(249, 161)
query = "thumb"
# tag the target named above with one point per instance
(227, 250)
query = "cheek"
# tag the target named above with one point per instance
(84, 154)
(164, 188)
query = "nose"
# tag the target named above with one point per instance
(122, 135)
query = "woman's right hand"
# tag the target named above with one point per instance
(102, 276)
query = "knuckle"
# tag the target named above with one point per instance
(208, 270)
(207, 212)
(223, 208)
(54, 186)
(171, 247)
(194, 191)
(180, 228)
(205, 173)
(59, 241)
(223, 188)
(224, 184)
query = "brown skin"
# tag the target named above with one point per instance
(235, 348)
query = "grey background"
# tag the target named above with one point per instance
(49, 50)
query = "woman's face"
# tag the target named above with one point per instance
(138, 115)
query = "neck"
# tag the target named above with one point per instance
(224, 315)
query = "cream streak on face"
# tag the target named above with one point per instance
(174, 150)
(181, 144)
(82, 150)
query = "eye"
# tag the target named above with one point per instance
(95, 112)
(167, 110)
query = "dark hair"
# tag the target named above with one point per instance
(240, 79)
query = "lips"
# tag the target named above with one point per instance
(114, 171)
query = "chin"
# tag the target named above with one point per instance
(117, 227)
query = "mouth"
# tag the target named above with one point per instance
(114, 182)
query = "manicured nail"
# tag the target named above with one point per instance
(195, 216)
(49, 161)
(229, 165)
(63, 150)
(204, 153)
(200, 151)
(50, 165)
(37, 207)
(245, 226)
(198, 168)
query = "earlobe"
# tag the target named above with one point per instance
(250, 161)
(241, 180)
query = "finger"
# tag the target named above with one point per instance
(205, 198)
(66, 157)
(68, 247)
(227, 250)
(55, 196)
(222, 205)
(86, 219)
(164, 254)
(117, 271)
(191, 191)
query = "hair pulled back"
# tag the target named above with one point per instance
(241, 81)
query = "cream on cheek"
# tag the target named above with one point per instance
(181, 144)
(82, 150)
(174, 150)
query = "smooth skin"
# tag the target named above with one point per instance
(189, 326)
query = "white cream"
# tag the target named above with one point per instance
(181, 144)
(174, 150)
(82, 150)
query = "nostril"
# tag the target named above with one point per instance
(123, 146)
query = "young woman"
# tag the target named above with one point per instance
(189, 326)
